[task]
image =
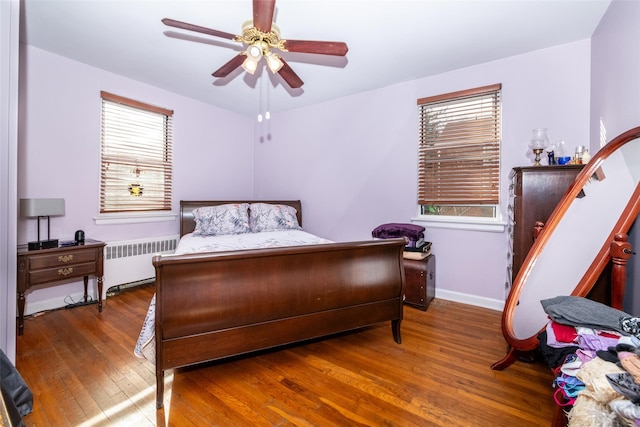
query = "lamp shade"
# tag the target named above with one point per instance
(273, 62)
(41, 207)
(250, 65)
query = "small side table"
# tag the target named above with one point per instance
(420, 281)
(56, 266)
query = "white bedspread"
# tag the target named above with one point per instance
(267, 239)
(145, 347)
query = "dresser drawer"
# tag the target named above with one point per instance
(420, 281)
(81, 256)
(61, 273)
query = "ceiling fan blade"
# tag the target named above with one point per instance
(197, 28)
(227, 68)
(289, 75)
(263, 14)
(322, 48)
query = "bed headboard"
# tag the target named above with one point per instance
(188, 223)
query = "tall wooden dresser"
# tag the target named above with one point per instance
(534, 192)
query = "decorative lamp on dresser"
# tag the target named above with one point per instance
(534, 192)
(56, 266)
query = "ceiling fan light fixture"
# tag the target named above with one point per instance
(255, 51)
(250, 65)
(273, 62)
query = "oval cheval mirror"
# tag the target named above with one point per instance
(572, 248)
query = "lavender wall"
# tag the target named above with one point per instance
(59, 139)
(615, 70)
(615, 99)
(353, 161)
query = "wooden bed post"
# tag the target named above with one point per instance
(395, 329)
(159, 342)
(620, 251)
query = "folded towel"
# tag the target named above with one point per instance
(391, 230)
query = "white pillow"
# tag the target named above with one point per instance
(268, 217)
(231, 218)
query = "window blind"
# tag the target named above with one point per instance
(136, 156)
(459, 148)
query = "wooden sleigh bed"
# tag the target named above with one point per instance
(214, 305)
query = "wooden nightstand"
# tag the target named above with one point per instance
(56, 266)
(420, 281)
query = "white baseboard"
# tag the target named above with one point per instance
(484, 302)
(55, 303)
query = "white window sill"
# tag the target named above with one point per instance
(461, 223)
(134, 217)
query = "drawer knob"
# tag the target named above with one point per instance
(65, 271)
(65, 258)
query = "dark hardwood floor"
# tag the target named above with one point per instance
(81, 369)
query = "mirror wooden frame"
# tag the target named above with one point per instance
(534, 282)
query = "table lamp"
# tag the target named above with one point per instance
(42, 208)
(539, 142)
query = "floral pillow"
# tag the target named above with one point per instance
(267, 217)
(232, 218)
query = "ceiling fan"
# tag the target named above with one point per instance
(262, 35)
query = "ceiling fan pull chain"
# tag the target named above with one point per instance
(267, 113)
(260, 100)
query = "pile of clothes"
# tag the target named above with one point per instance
(594, 350)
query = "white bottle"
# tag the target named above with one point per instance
(586, 156)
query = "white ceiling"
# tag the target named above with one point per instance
(389, 41)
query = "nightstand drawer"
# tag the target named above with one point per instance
(420, 281)
(61, 273)
(37, 262)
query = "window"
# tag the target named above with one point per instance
(135, 156)
(459, 153)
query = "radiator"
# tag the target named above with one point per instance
(129, 262)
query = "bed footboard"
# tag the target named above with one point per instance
(215, 305)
